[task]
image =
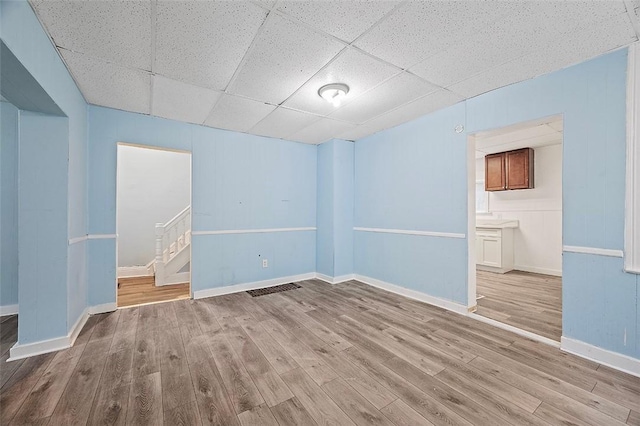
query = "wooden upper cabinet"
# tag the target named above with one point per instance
(494, 172)
(519, 164)
(509, 170)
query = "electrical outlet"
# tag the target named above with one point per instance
(265, 263)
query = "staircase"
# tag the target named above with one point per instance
(173, 250)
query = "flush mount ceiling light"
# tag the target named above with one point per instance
(334, 93)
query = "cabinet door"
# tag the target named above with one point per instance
(519, 169)
(494, 172)
(491, 249)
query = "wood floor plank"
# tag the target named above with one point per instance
(424, 404)
(110, 406)
(139, 290)
(43, 398)
(582, 407)
(285, 357)
(242, 391)
(301, 354)
(275, 354)
(145, 401)
(177, 388)
(268, 382)
(183, 415)
(319, 406)
(354, 405)
(444, 394)
(257, 416)
(213, 401)
(522, 299)
(105, 325)
(292, 413)
(146, 356)
(634, 418)
(403, 415)
(76, 402)
(118, 369)
(14, 392)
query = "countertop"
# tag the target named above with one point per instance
(496, 223)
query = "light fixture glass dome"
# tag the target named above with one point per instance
(334, 93)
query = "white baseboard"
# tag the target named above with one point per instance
(335, 280)
(412, 294)
(133, 271)
(219, 291)
(536, 270)
(77, 327)
(8, 310)
(19, 351)
(101, 309)
(178, 278)
(611, 359)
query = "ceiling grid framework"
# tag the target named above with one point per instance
(256, 66)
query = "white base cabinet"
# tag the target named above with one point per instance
(494, 249)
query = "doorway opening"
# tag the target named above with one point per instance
(153, 222)
(515, 227)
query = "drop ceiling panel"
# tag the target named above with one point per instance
(236, 113)
(282, 123)
(357, 70)
(343, 19)
(284, 56)
(203, 42)
(181, 101)
(565, 16)
(392, 93)
(321, 131)
(424, 105)
(116, 31)
(500, 41)
(419, 29)
(107, 84)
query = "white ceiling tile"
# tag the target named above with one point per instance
(203, 42)
(394, 92)
(422, 106)
(117, 31)
(282, 123)
(420, 29)
(181, 101)
(236, 113)
(284, 56)
(560, 53)
(343, 19)
(501, 41)
(321, 131)
(565, 16)
(107, 84)
(361, 131)
(357, 70)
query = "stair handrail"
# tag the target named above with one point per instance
(168, 234)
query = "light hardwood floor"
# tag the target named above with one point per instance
(531, 302)
(344, 354)
(139, 290)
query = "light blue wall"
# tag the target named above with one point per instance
(325, 214)
(240, 182)
(600, 306)
(334, 255)
(414, 177)
(24, 36)
(42, 225)
(9, 204)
